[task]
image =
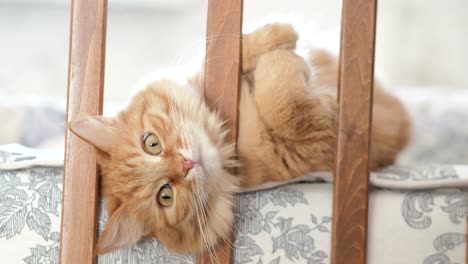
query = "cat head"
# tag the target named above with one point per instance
(165, 170)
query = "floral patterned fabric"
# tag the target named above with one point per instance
(30, 206)
(285, 224)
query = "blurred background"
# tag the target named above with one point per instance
(421, 55)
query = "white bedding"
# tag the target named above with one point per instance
(286, 224)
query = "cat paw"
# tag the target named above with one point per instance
(276, 35)
(265, 39)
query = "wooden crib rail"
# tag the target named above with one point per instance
(222, 77)
(85, 93)
(222, 66)
(351, 178)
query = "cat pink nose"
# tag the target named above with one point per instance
(188, 164)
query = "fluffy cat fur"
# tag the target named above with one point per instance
(287, 128)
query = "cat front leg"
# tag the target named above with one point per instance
(299, 124)
(281, 81)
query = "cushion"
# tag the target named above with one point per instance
(411, 220)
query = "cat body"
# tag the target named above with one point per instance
(165, 161)
(289, 117)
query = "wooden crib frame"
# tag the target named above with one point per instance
(85, 96)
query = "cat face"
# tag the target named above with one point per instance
(164, 164)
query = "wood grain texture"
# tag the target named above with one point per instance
(85, 94)
(356, 75)
(222, 77)
(223, 55)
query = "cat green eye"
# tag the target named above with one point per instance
(165, 196)
(152, 144)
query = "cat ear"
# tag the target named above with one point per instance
(99, 131)
(121, 230)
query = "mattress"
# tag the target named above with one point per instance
(416, 215)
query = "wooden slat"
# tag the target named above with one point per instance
(85, 93)
(222, 65)
(222, 75)
(350, 205)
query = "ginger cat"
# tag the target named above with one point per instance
(165, 160)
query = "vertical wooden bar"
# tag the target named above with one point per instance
(222, 76)
(85, 95)
(356, 75)
(223, 55)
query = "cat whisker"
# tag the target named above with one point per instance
(215, 102)
(209, 40)
(203, 216)
(210, 253)
(222, 236)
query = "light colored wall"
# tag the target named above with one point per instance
(419, 42)
(424, 42)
